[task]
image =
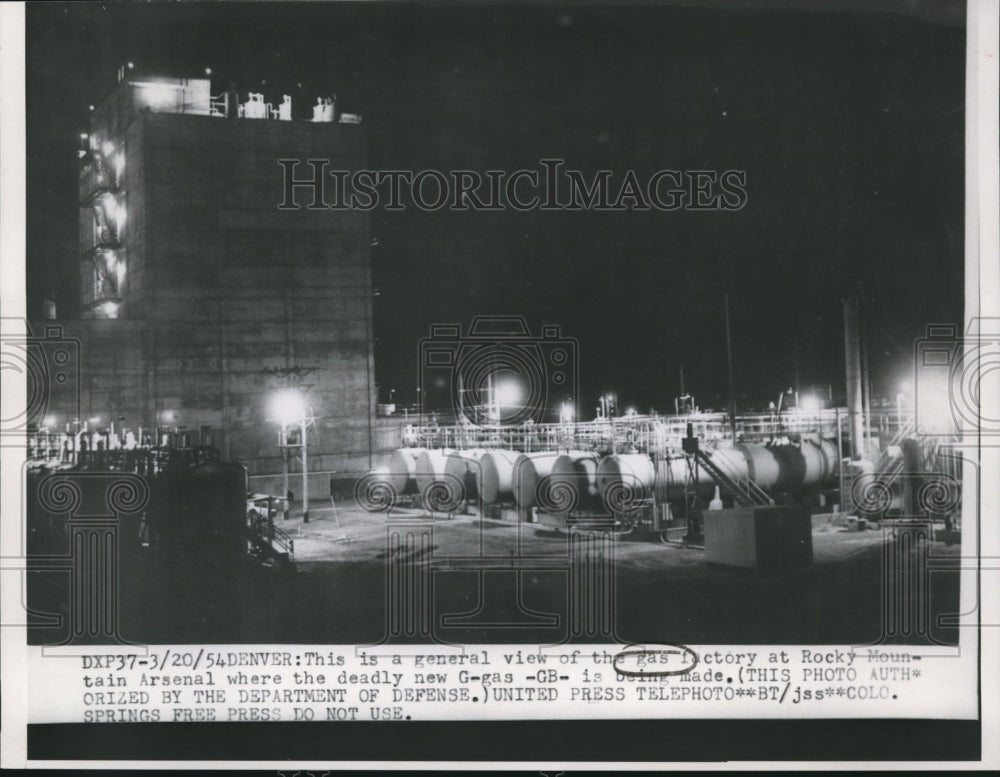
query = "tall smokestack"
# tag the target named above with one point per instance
(852, 364)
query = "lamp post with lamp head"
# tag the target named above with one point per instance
(289, 410)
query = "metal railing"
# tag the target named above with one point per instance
(742, 489)
(643, 433)
(264, 536)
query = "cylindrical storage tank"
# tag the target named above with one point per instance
(870, 495)
(791, 465)
(497, 470)
(625, 478)
(816, 464)
(831, 459)
(673, 477)
(463, 467)
(573, 482)
(402, 475)
(762, 465)
(529, 469)
(731, 461)
(857, 468)
(431, 465)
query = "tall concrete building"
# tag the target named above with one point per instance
(200, 297)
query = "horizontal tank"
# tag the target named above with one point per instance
(431, 465)
(402, 475)
(732, 462)
(831, 457)
(464, 467)
(815, 470)
(791, 467)
(497, 469)
(763, 466)
(673, 478)
(871, 495)
(573, 482)
(625, 478)
(529, 471)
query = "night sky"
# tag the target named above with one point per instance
(848, 124)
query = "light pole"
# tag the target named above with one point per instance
(288, 409)
(283, 447)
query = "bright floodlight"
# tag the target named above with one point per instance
(159, 95)
(810, 403)
(508, 394)
(288, 407)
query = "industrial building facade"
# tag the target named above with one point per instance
(200, 298)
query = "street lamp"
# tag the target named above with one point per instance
(288, 409)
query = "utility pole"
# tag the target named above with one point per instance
(290, 409)
(283, 447)
(866, 385)
(852, 362)
(729, 362)
(305, 466)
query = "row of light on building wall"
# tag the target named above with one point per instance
(112, 161)
(51, 423)
(114, 266)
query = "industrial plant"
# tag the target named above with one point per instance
(222, 373)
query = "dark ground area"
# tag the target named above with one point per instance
(493, 581)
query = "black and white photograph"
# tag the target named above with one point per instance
(461, 332)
